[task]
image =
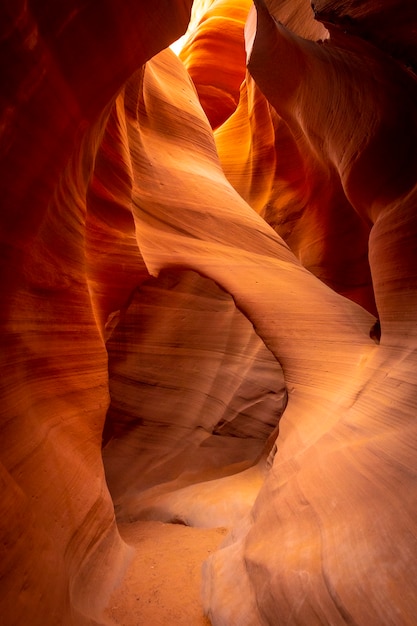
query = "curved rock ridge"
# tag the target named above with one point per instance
(214, 55)
(114, 264)
(376, 168)
(279, 175)
(198, 10)
(333, 570)
(163, 275)
(314, 429)
(298, 193)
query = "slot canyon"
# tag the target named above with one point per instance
(209, 300)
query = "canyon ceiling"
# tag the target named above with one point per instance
(209, 296)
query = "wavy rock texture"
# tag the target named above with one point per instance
(340, 556)
(61, 552)
(214, 55)
(193, 397)
(167, 292)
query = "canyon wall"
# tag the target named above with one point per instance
(192, 274)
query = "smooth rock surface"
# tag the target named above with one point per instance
(186, 314)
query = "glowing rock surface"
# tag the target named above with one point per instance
(186, 314)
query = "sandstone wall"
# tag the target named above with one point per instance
(186, 313)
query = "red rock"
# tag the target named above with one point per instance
(214, 55)
(61, 551)
(297, 193)
(194, 398)
(125, 219)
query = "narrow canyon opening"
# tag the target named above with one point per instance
(195, 395)
(196, 399)
(208, 294)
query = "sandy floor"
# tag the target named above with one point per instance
(162, 584)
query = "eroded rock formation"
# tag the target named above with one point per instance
(194, 398)
(186, 312)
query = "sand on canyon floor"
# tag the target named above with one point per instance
(162, 585)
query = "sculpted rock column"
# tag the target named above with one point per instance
(208, 227)
(331, 527)
(314, 548)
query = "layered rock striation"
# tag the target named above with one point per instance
(186, 312)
